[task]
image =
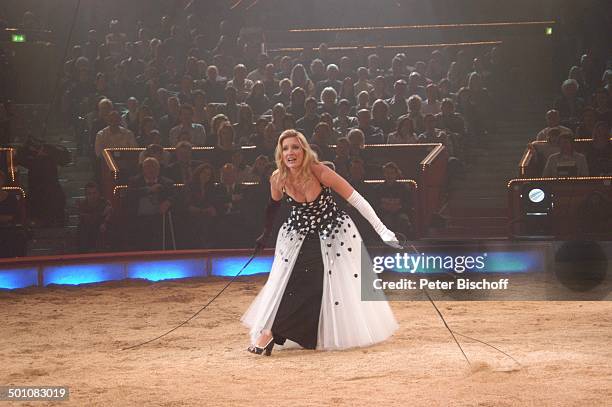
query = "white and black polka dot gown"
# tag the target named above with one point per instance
(313, 293)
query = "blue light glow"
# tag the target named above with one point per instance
(167, 269)
(82, 273)
(18, 278)
(230, 266)
(494, 262)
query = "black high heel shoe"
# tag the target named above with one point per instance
(266, 350)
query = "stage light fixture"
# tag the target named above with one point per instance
(537, 205)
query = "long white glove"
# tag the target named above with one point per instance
(366, 210)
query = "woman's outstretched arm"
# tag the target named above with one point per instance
(330, 178)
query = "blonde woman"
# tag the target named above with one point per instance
(313, 293)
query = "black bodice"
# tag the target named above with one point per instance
(320, 216)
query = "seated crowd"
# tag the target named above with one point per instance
(582, 111)
(160, 88)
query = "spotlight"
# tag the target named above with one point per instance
(537, 206)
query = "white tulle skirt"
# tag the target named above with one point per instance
(345, 319)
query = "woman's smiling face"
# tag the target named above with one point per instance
(293, 154)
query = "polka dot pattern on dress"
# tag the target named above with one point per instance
(321, 216)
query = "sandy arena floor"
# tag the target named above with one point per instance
(72, 335)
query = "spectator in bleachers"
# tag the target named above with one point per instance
(226, 145)
(130, 117)
(587, 124)
(299, 79)
(245, 128)
(334, 134)
(449, 120)
(404, 132)
(601, 104)
(147, 133)
(343, 122)
(231, 107)
(363, 102)
(415, 113)
(203, 206)
(432, 103)
(363, 84)
(268, 144)
(104, 108)
(357, 176)
(435, 66)
(307, 123)
(114, 135)
(415, 85)
(289, 122)
(257, 99)
(271, 84)
(257, 171)
(214, 85)
(380, 117)
(240, 83)
(171, 119)
(569, 104)
(259, 74)
(284, 94)
(397, 103)
(297, 105)
(331, 80)
(599, 151)
(329, 97)
(243, 169)
(356, 140)
(431, 134)
(458, 71)
(94, 217)
(317, 70)
(482, 105)
(199, 108)
(213, 138)
(553, 121)
(149, 196)
(196, 131)
(182, 170)
(379, 91)
(346, 70)
(567, 162)
(12, 237)
(156, 151)
(46, 199)
(393, 201)
(233, 203)
(342, 157)
(321, 138)
(373, 135)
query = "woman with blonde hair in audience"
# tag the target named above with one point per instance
(299, 79)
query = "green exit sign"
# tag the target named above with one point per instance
(549, 31)
(18, 38)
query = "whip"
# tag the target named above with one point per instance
(201, 309)
(404, 243)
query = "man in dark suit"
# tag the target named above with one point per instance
(181, 171)
(233, 204)
(149, 197)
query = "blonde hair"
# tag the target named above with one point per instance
(310, 157)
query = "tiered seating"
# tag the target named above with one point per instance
(532, 165)
(423, 164)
